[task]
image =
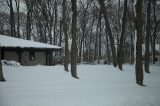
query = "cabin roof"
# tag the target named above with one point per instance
(11, 42)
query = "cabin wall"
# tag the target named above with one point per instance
(10, 55)
(40, 58)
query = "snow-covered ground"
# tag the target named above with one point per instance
(99, 85)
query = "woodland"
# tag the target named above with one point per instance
(88, 30)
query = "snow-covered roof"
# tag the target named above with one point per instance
(6, 41)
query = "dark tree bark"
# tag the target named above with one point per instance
(12, 20)
(90, 57)
(1, 72)
(120, 49)
(132, 35)
(29, 4)
(108, 28)
(66, 61)
(18, 24)
(100, 34)
(60, 39)
(119, 23)
(55, 22)
(147, 38)
(138, 67)
(96, 41)
(74, 39)
(108, 51)
(154, 33)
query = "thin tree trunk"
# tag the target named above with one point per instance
(147, 38)
(12, 21)
(29, 5)
(66, 61)
(80, 48)
(18, 24)
(100, 28)
(74, 39)
(108, 51)
(90, 41)
(108, 28)
(50, 32)
(55, 22)
(120, 49)
(132, 44)
(28, 25)
(96, 42)
(1, 71)
(138, 67)
(119, 23)
(154, 33)
(60, 39)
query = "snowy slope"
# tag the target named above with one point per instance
(6, 41)
(99, 85)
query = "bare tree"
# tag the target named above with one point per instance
(138, 22)
(120, 49)
(74, 39)
(12, 20)
(83, 24)
(55, 22)
(29, 4)
(154, 35)
(18, 18)
(108, 28)
(66, 61)
(147, 37)
(1, 72)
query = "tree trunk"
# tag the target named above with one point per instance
(138, 67)
(100, 28)
(66, 61)
(147, 38)
(132, 35)
(1, 71)
(55, 23)
(18, 24)
(60, 39)
(108, 51)
(96, 42)
(90, 57)
(74, 39)
(154, 33)
(108, 28)
(120, 49)
(12, 21)
(119, 23)
(29, 5)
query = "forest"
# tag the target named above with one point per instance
(115, 31)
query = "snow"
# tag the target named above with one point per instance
(99, 85)
(6, 41)
(11, 63)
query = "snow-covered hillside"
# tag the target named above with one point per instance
(99, 85)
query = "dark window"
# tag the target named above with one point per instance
(32, 56)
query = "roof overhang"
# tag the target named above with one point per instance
(30, 49)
